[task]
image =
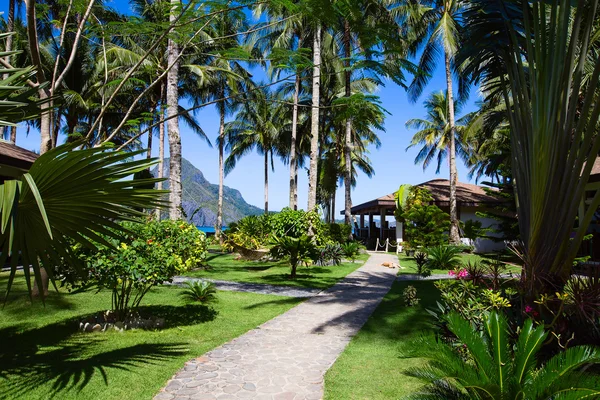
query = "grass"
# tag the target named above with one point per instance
(372, 367)
(409, 264)
(43, 356)
(225, 267)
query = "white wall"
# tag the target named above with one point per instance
(481, 245)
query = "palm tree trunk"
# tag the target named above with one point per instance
(10, 26)
(348, 136)
(266, 182)
(293, 158)
(173, 124)
(314, 126)
(149, 153)
(161, 143)
(333, 208)
(454, 232)
(221, 169)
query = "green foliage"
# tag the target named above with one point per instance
(426, 225)
(472, 229)
(409, 294)
(146, 255)
(296, 249)
(200, 291)
(351, 250)
(400, 197)
(254, 232)
(70, 195)
(338, 232)
(498, 368)
(444, 257)
(330, 254)
(473, 302)
(422, 260)
(504, 213)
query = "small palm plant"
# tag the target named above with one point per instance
(350, 250)
(444, 257)
(200, 291)
(498, 369)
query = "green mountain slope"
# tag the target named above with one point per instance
(199, 194)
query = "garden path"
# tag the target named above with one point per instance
(287, 357)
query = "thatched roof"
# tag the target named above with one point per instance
(14, 160)
(466, 195)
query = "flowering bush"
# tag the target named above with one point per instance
(459, 273)
(148, 255)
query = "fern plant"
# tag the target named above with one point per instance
(498, 369)
(200, 291)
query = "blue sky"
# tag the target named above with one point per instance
(393, 165)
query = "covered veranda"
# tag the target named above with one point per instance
(367, 214)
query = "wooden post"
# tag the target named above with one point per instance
(381, 222)
(370, 224)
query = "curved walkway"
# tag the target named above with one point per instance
(287, 357)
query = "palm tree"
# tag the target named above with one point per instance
(256, 126)
(314, 126)
(438, 29)
(435, 132)
(220, 78)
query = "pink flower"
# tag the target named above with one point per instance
(462, 274)
(451, 273)
(528, 309)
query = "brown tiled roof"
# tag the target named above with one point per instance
(466, 194)
(15, 156)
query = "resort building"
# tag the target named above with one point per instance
(375, 218)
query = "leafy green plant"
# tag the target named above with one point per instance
(148, 254)
(330, 254)
(422, 260)
(338, 233)
(350, 250)
(444, 257)
(471, 301)
(297, 250)
(494, 269)
(475, 271)
(70, 195)
(200, 291)
(426, 224)
(497, 368)
(409, 294)
(472, 229)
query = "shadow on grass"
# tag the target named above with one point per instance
(60, 354)
(282, 301)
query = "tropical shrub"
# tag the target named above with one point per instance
(471, 301)
(422, 260)
(492, 366)
(350, 250)
(472, 229)
(148, 254)
(425, 224)
(296, 249)
(444, 257)
(409, 294)
(200, 291)
(330, 254)
(251, 232)
(475, 271)
(339, 233)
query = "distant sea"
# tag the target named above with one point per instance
(208, 229)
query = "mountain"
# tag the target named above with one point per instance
(199, 194)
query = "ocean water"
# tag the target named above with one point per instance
(208, 229)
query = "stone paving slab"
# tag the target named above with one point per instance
(286, 358)
(262, 288)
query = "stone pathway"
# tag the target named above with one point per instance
(262, 288)
(287, 357)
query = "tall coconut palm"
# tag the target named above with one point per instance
(314, 126)
(256, 126)
(436, 133)
(437, 29)
(220, 79)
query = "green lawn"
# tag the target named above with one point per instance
(225, 267)
(410, 266)
(43, 356)
(372, 367)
